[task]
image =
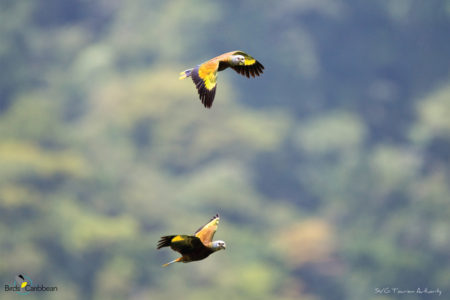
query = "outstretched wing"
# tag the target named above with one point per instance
(204, 77)
(206, 232)
(184, 244)
(251, 67)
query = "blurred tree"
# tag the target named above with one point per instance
(331, 172)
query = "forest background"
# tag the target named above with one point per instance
(330, 172)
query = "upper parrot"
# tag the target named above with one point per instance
(205, 75)
(194, 247)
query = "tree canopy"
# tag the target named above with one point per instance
(331, 171)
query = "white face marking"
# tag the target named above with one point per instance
(238, 60)
(218, 245)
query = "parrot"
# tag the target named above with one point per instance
(204, 76)
(194, 247)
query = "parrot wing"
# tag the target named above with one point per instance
(251, 67)
(207, 231)
(204, 77)
(184, 244)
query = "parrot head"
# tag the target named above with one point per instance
(218, 245)
(237, 60)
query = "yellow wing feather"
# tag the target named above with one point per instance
(249, 61)
(208, 73)
(177, 238)
(205, 77)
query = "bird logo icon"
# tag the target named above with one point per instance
(22, 282)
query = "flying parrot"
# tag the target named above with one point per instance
(194, 247)
(205, 75)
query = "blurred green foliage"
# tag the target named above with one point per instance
(331, 171)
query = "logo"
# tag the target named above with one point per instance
(23, 285)
(394, 290)
(22, 282)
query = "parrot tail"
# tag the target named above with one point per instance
(171, 262)
(165, 241)
(185, 74)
